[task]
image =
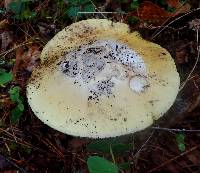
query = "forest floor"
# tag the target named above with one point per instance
(27, 145)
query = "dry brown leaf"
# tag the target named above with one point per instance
(181, 52)
(149, 11)
(183, 9)
(26, 59)
(6, 38)
(7, 2)
(3, 23)
(173, 3)
(19, 53)
(194, 24)
(178, 5)
(31, 57)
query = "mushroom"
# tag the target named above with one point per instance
(98, 79)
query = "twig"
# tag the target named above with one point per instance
(26, 33)
(98, 9)
(95, 12)
(7, 147)
(176, 130)
(85, 12)
(16, 47)
(112, 155)
(196, 62)
(54, 149)
(21, 143)
(103, 12)
(26, 144)
(136, 154)
(11, 128)
(9, 134)
(12, 163)
(157, 32)
(173, 159)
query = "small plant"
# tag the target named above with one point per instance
(134, 4)
(113, 147)
(180, 139)
(98, 164)
(132, 20)
(76, 6)
(5, 77)
(18, 100)
(103, 146)
(21, 9)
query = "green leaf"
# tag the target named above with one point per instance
(98, 164)
(73, 11)
(26, 149)
(16, 98)
(82, 2)
(27, 14)
(124, 166)
(134, 5)
(162, 2)
(20, 106)
(13, 146)
(105, 144)
(27, 0)
(2, 62)
(78, 2)
(21, 9)
(16, 6)
(2, 11)
(89, 8)
(171, 9)
(181, 147)
(14, 93)
(16, 113)
(132, 20)
(5, 77)
(180, 139)
(73, 2)
(1, 123)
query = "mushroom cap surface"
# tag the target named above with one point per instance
(98, 79)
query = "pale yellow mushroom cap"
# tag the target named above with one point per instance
(97, 79)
